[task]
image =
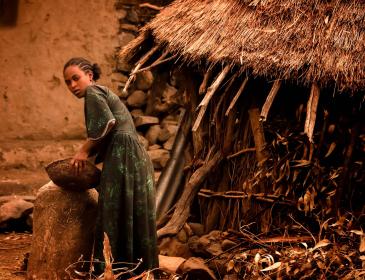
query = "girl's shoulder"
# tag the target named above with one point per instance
(98, 90)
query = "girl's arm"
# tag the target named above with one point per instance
(78, 161)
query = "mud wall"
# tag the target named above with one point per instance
(34, 101)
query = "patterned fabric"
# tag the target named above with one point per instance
(126, 197)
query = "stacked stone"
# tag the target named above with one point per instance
(153, 104)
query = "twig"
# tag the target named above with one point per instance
(211, 90)
(207, 75)
(299, 224)
(155, 64)
(269, 100)
(235, 98)
(138, 66)
(151, 6)
(243, 151)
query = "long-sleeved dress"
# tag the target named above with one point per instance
(127, 196)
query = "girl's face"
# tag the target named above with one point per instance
(77, 80)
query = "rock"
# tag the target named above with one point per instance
(128, 27)
(63, 230)
(169, 120)
(152, 134)
(118, 77)
(166, 132)
(228, 244)
(171, 246)
(136, 113)
(7, 198)
(157, 175)
(169, 95)
(124, 38)
(137, 99)
(198, 229)
(144, 80)
(207, 245)
(169, 143)
(182, 236)
(123, 65)
(195, 268)
(145, 120)
(170, 264)
(154, 147)
(132, 15)
(143, 141)
(15, 209)
(121, 93)
(159, 157)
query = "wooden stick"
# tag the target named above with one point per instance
(151, 6)
(182, 210)
(204, 84)
(243, 151)
(242, 195)
(258, 135)
(312, 105)
(156, 63)
(142, 61)
(235, 98)
(210, 92)
(213, 88)
(269, 100)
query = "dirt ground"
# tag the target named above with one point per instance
(13, 248)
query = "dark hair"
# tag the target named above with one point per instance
(85, 65)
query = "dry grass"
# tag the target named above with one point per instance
(305, 40)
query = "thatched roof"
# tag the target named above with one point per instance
(305, 40)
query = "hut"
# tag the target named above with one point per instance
(273, 129)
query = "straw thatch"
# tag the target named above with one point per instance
(305, 40)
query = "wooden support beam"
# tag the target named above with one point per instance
(258, 135)
(182, 210)
(269, 100)
(211, 90)
(235, 98)
(312, 105)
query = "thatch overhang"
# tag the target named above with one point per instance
(303, 40)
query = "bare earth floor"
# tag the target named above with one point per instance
(13, 247)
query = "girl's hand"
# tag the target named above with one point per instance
(78, 161)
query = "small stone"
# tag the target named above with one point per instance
(159, 157)
(153, 133)
(227, 244)
(157, 175)
(166, 132)
(15, 209)
(171, 246)
(169, 120)
(128, 27)
(197, 228)
(169, 143)
(125, 37)
(118, 77)
(182, 236)
(145, 120)
(132, 16)
(136, 113)
(123, 65)
(154, 147)
(144, 80)
(137, 99)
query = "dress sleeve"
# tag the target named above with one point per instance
(97, 114)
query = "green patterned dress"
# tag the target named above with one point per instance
(126, 196)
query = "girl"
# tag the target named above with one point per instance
(126, 210)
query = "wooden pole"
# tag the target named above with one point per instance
(182, 210)
(312, 105)
(270, 99)
(258, 135)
